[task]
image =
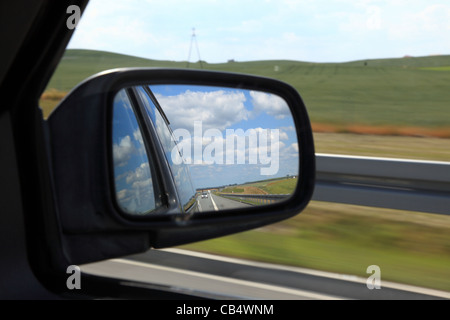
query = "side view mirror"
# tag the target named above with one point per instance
(151, 158)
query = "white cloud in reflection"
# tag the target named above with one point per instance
(122, 151)
(271, 104)
(138, 136)
(217, 110)
(138, 197)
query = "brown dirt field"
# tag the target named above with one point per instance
(382, 130)
(53, 94)
(387, 130)
(253, 190)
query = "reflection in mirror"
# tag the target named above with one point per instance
(133, 179)
(240, 145)
(226, 148)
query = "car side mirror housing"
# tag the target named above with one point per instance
(152, 158)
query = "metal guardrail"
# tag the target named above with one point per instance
(381, 182)
(411, 185)
(257, 199)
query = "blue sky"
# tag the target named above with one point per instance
(305, 30)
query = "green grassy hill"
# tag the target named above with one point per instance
(406, 62)
(276, 186)
(78, 65)
(271, 186)
(405, 92)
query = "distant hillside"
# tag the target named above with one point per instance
(390, 93)
(105, 58)
(77, 65)
(411, 62)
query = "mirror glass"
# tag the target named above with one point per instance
(133, 179)
(226, 147)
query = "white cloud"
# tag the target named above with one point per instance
(216, 110)
(432, 21)
(271, 104)
(138, 195)
(122, 152)
(294, 146)
(283, 135)
(122, 194)
(138, 136)
(141, 173)
(373, 18)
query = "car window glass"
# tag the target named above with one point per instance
(133, 180)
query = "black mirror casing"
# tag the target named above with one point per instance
(92, 226)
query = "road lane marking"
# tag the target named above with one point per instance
(330, 275)
(214, 204)
(245, 283)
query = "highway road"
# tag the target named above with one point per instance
(216, 277)
(216, 203)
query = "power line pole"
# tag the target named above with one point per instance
(194, 39)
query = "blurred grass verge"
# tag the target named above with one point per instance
(409, 247)
(403, 147)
